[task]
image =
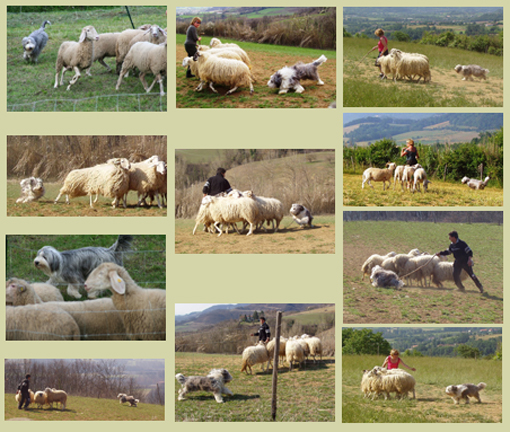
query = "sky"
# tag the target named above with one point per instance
(186, 308)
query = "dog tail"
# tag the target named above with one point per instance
(123, 243)
(481, 386)
(320, 60)
(181, 378)
(44, 23)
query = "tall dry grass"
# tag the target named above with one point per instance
(52, 157)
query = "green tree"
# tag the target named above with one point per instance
(401, 36)
(467, 351)
(365, 341)
(255, 316)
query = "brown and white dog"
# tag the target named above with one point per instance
(214, 382)
(465, 391)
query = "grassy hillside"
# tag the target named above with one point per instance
(413, 304)
(252, 393)
(85, 409)
(431, 405)
(30, 86)
(265, 60)
(439, 194)
(363, 88)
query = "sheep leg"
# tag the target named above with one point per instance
(64, 70)
(108, 68)
(212, 87)
(144, 83)
(91, 205)
(219, 230)
(75, 78)
(201, 85)
(251, 229)
(232, 90)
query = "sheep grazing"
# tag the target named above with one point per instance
(143, 311)
(378, 174)
(123, 398)
(76, 55)
(40, 322)
(476, 184)
(216, 70)
(54, 395)
(384, 278)
(31, 190)
(123, 44)
(372, 261)
(147, 57)
(420, 176)
(294, 353)
(109, 179)
(254, 355)
(379, 380)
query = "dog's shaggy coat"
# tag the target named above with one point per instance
(470, 71)
(465, 391)
(34, 44)
(301, 215)
(289, 78)
(74, 266)
(123, 398)
(214, 382)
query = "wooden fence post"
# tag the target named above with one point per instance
(278, 330)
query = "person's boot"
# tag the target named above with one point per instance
(189, 74)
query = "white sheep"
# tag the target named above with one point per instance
(425, 263)
(216, 43)
(104, 47)
(76, 55)
(443, 271)
(475, 184)
(143, 311)
(253, 355)
(420, 176)
(223, 53)
(110, 180)
(412, 64)
(270, 210)
(31, 190)
(204, 215)
(40, 322)
(217, 70)
(232, 52)
(389, 264)
(294, 353)
(372, 261)
(19, 292)
(228, 211)
(407, 177)
(54, 395)
(385, 381)
(147, 57)
(146, 177)
(315, 346)
(123, 43)
(40, 399)
(47, 292)
(385, 278)
(378, 174)
(154, 34)
(399, 176)
(271, 346)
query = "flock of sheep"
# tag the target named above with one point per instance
(236, 206)
(380, 380)
(47, 397)
(293, 349)
(225, 64)
(413, 176)
(420, 267)
(113, 179)
(37, 311)
(405, 65)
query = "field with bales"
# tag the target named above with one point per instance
(432, 405)
(414, 303)
(30, 87)
(363, 88)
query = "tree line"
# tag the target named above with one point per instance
(494, 217)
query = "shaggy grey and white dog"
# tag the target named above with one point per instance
(34, 44)
(32, 189)
(214, 382)
(74, 266)
(469, 71)
(123, 398)
(385, 278)
(474, 183)
(465, 391)
(289, 78)
(301, 215)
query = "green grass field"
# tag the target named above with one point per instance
(251, 401)
(85, 409)
(290, 239)
(364, 303)
(439, 194)
(432, 405)
(265, 59)
(146, 264)
(363, 88)
(30, 86)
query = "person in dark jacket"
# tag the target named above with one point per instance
(410, 152)
(217, 184)
(192, 40)
(25, 395)
(463, 260)
(264, 332)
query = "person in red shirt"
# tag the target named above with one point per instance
(382, 46)
(393, 361)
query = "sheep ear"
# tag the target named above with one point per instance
(83, 35)
(118, 284)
